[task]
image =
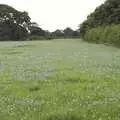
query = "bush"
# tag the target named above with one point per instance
(108, 34)
(39, 38)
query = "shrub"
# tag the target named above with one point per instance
(39, 38)
(108, 34)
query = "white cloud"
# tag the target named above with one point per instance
(53, 14)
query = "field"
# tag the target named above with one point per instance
(59, 80)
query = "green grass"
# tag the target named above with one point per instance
(59, 80)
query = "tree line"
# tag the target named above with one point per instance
(17, 25)
(104, 15)
(103, 25)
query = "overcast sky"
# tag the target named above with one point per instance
(56, 14)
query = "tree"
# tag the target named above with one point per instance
(68, 32)
(76, 33)
(106, 14)
(58, 33)
(14, 24)
(35, 30)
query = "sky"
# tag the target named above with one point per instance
(56, 14)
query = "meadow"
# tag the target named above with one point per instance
(59, 80)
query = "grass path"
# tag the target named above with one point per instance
(59, 80)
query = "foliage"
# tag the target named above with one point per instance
(66, 33)
(16, 25)
(35, 37)
(108, 34)
(104, 15)
(35, 30)
(58, 33)
(13, 24)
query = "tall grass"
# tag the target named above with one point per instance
(108, 34)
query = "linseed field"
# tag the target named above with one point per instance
(59, 80)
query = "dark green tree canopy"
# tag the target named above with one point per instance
(106, 14)
(68, 31)
(58, 33)
(13, 24)
(36, 30)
